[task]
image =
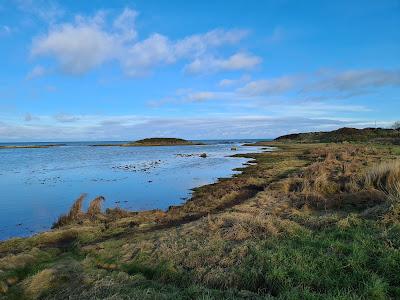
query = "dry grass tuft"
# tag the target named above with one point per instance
(74, 214)
(95, 207)
(386, 178)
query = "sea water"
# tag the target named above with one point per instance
(39, 184)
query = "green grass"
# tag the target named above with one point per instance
(335, 263)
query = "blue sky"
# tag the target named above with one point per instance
(122, 70)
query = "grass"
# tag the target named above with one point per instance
(386, 178)
(318, 221)
(329, 263)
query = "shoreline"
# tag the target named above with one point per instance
(30, 146)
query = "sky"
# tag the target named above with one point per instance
(123, 70)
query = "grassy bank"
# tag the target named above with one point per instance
(308, 221)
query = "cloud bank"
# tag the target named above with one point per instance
(84, 127)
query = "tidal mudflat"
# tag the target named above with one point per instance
(39, 184)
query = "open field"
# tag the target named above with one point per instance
(307, 221)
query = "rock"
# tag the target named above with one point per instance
(203, 155)
(234, 149)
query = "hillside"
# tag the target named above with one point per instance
(366, 135)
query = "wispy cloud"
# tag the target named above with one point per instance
(354, 81)
(238, 61)
(269, 86)
(66, 118)
(29, 117)
(328, 84)
(47, 11)
(5, 30)
(225, 83)
(36, 72)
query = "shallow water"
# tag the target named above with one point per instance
(37, 185)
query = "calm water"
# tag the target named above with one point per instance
(37, 185)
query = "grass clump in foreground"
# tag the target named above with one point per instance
(318, 221)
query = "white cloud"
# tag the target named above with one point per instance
(125, 22)
(37, 71)
(148, 53)
(198, 44)
(87, 43)
(238, 61)
(77, 47)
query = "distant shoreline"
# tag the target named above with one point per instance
(30, 146)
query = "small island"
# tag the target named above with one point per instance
(153, 142)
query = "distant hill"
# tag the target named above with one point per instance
(366, 135)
